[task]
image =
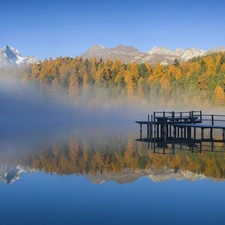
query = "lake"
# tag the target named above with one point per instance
(104, 176)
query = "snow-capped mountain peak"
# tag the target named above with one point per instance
(10, 56)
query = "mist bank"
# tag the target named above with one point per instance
(30, 117)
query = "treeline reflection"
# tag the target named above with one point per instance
(92, 155)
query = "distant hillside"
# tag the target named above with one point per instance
(163, 55)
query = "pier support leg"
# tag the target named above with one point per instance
(157, 131)
(202, 133)
(189, 132)
(141, 131)
(154, 147)
(195, 133)
(211, 133)
(223, 134)
(173, 147)
(174, 132)
(182, 133)
(164, 131)
(154, 131)
(151, 131)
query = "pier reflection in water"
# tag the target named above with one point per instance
(192, 145)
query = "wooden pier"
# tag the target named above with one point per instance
(163, 128)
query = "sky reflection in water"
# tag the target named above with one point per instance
(51, 199)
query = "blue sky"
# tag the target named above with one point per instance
(47, 28)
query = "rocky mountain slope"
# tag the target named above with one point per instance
(163, 55)
(10, 56)
(129, 176)
(11, 173)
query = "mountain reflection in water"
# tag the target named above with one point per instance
(104, 156)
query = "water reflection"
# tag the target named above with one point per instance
(102, 155)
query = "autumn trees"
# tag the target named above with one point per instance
(198, 82)
(81, 155)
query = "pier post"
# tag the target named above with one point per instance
(140, 131)
(202, 133)
(154, 147)
(154, 126)
(194, 133)
(190, 116)
(212, 118)
(223, 134)
(212, 146)
(157, 131)
(211, 133)
(174, 132)
(151, 127)
(189, 132)
(148, 131)
(182, 133)
(173, 146)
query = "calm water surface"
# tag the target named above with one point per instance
(109, 178)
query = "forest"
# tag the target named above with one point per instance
(198, 83)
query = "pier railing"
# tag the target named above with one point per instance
(213, 119)
(164, 125)
(172, 117)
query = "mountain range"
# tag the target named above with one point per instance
(163, 55)
(11, 173)
(10, 56)
(163, 175)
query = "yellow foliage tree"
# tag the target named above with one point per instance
(210, 66)
(73, 87)
(140, 92)
(219, 96)
(166, 86)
